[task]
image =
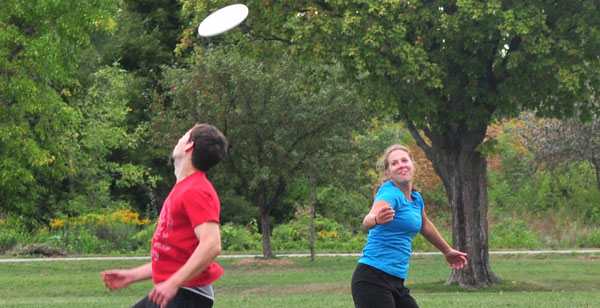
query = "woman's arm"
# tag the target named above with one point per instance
(381, 213)
(455, 258)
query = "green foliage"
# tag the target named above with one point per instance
(345, 207)
(145, 36)
(235, 209)
(560, 203)
(57, 136)
(74, 141)
(292, 236)
(240, 238)
(41, 46)
(450, 68)
(555, 142)
(8, 239)
(281, 118)
(569, 191)
(102, 132)
(329, 236)
(13, 231)
(514, 234)
(119, 231)
(442, 63)
(589, 238)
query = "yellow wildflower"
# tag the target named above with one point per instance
(57, 223)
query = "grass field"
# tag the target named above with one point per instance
(571, 280)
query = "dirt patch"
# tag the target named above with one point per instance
(270, 262)
(589, 257)
(37, 249)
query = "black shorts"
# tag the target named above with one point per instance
(373, 288)
(183, 299)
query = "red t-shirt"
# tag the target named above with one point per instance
(192, 202)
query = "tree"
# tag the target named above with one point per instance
(448, 69)
(143, 42)
(277, 115)
(555, 141)
(42, 46)
(102, 131)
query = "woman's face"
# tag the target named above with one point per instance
(401, 169)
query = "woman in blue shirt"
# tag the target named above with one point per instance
(396, 216)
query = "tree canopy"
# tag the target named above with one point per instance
(554, 141)
(42, 45)
(280, 117)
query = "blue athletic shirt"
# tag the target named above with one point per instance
(388, 246)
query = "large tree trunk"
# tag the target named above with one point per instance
(464, 174)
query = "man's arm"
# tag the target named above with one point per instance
(120, 278)
(207, 251)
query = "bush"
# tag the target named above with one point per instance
(241, 238)
(329, 235)
(119, 231)
(143, 239)
(589, 238)
(513, 234)
(8, 239)
(11, 233)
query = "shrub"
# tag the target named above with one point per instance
(329, 235)
(8, 239)
(589, 238)
(240, 238)
(286, 237)
(11, 233)
(513, 234)
(118, 231)
(143, 239)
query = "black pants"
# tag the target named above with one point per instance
(183, 299)
(372, 288)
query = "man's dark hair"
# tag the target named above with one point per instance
(210, 146)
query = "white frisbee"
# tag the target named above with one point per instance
(223, 20)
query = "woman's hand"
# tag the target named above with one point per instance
(385, 215)
(456, 259)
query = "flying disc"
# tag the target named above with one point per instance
(223, 20)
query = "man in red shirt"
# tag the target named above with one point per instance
(187, 238)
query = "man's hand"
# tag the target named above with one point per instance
(117, 279)
(163, 292)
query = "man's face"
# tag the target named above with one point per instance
(181, 146)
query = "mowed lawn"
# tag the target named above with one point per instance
(551, 280)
